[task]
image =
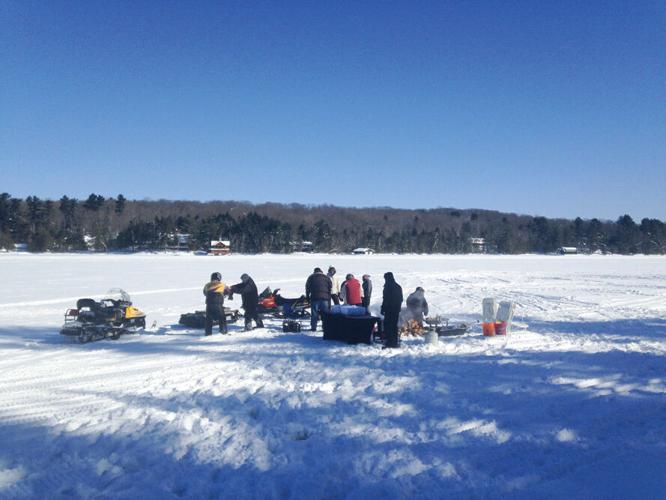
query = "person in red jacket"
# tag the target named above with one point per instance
(351, 291)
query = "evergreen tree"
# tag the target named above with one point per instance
(626, 236)
(120, 204)
(94, 202)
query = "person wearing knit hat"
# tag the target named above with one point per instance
(392, 301)
(250, 300)
(318, 292)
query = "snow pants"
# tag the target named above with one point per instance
(212, 314)
(391, 328)
(252, 314)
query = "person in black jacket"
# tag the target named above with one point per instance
(318, 292)
(250, 298)
(391, 309)
(214, 292)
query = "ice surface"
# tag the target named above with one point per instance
(571, 404)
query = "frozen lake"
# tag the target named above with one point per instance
(571, 404)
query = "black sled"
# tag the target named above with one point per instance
(444, 329)
(197, 319)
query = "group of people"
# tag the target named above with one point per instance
(215, 291)
(321, 290)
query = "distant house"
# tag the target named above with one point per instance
(219, 247)
(90, 241)
(302, 246)
(567, 250)
(363, 251)
(478, 245)
(179, 241)
(20, 247)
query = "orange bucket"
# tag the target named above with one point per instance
(488, 329)
(500, 328)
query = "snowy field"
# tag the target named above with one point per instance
(572, 404)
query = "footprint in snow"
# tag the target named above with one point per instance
(301, 435)
(253, 413)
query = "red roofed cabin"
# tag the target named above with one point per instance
(220, 247)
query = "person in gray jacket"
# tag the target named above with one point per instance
(367, 291)
(417, 305)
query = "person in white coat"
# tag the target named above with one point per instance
(335, 290)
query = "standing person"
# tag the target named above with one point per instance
(335, 285)
(318, 292)
(367, 291)
(391, 303)
(250, 298)
(351, 291)
(417, 305)
(214, 292)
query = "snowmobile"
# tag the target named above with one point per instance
(267, 302)
(272, 302)
(111, 317)
(197, 319)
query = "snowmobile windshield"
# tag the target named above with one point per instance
(117, 294)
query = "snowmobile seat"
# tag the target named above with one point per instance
(89, 303)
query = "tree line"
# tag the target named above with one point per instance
(105, 224)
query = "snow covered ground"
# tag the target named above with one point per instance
(571, 404)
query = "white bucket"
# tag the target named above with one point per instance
(431, 338)
(505, 313)
(489, 310)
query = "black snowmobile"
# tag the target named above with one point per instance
(111, 317)
(197, 319)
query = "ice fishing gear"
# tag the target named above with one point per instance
(197, 319)
(111, 317)
(291, 326)
(445, 329)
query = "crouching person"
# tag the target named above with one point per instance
(318, 292)
(418, 305)
(214, 292)
(250, 299)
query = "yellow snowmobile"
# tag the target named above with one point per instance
(111, 317)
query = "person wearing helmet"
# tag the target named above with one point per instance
(214, 292)
(250, 299)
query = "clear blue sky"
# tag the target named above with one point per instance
(553, 108)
